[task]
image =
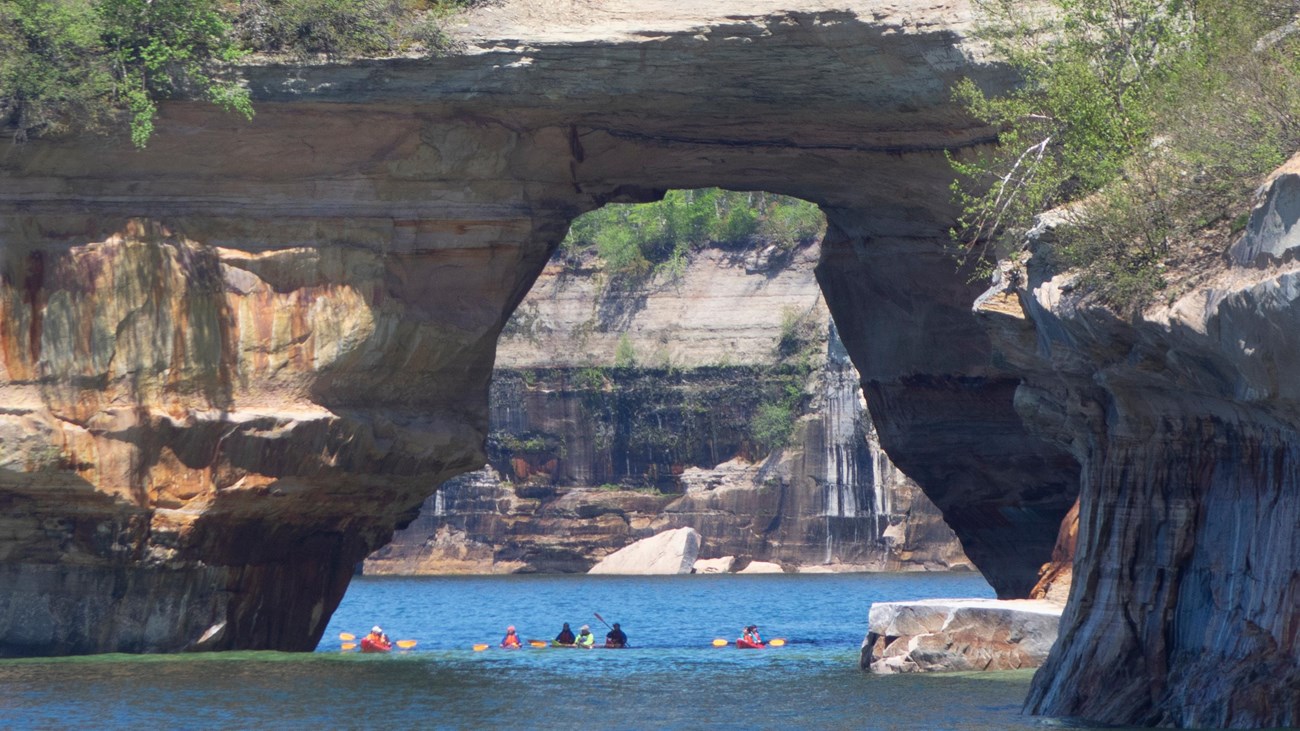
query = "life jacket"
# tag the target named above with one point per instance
(511, 641)
(586, 639)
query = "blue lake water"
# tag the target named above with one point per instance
(671, 678)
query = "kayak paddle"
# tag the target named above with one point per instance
(720, 642)
(406, 644)
(480, 648)
(347, 636)
(349, 646)
(776, 643)
(602, 619)
(537, 643)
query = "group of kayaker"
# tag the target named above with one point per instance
(615, 638)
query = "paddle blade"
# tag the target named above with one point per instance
(537, 643)
(720, 643)
(776, 643)
(349, 646)
(347, 636)
(480, 648)
(406, 644)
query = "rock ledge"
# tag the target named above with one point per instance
(959, 634)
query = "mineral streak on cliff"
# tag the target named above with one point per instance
(1186, 585)
(221, 443)
(566, 421)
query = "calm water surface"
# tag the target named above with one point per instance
(672, 677)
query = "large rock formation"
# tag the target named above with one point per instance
(214, 412)
(577, 441)
(670, 552)
(1183, 605)
(959, 634)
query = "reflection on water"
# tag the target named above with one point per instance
(672, 678)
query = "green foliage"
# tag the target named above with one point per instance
(68, 65)
(160, 48)
(46, 84)
(624, 353)
(590, 379)
(772, 425)
(345, 28)
(638, 241)
(1156, 116)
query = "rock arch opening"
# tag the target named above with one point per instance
(675, 366)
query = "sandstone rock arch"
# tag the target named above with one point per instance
(232, 363)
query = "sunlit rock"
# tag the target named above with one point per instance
(670, 552)
(959, 634)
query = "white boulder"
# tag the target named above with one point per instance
(670, 552)
(762, 567)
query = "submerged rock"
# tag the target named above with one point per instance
(959, 634)
(670, 552)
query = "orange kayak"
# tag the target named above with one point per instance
(369, 645)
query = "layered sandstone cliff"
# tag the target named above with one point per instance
(233, 363)
(586, 457)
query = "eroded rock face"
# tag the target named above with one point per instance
(936, 635)
(308, 355)
(1185, 582)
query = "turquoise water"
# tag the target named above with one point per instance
(672, 677)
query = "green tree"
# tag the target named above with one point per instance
(48, 84)
(162, 48)
(1156, 116)
(83, 65)
(624, 353)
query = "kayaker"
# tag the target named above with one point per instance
(565, 637)
(511, 640)
(376, 641)
(751, 635)
(615, 637)
(586, 638)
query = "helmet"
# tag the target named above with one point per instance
(511, 628)
(376, 630)
(585, 628)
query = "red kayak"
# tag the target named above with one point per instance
(369, 645)
(744, 644)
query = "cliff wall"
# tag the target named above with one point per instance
(203, 471)
(586, 456)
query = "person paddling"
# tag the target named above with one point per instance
(511, 640)
(615, 637)
(751, 635)
(565, 637)
(585, 638)
(376, 641)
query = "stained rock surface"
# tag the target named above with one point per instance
(1183, 604)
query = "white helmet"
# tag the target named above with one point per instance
(376, 630)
